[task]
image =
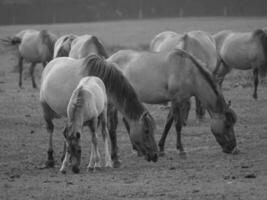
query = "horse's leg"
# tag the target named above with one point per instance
(96, 155)
(200, 111)
(48, 116)
(179, 120)
(256, 82)
(20, 65)
(50, 128)
(105, 136)
(32, 74)
(112, 125)
(65, 162)
(165, 132)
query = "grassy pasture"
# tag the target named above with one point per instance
(206, 173)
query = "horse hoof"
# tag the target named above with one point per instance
(50, 163)
(162, 153)
(63, 171)
(116, 164)
(90, 169)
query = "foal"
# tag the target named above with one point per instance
(87, 106)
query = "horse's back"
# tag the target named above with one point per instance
(161, 38)
(59, 79)
(95, 91)
(80, 47)
(237, 49)
(203, 47)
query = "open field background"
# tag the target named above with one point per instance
(205, 174)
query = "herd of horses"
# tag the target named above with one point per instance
(84, 84)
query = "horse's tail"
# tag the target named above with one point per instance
(11, 41)
(100, 48)
(261, 35)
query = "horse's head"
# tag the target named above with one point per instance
(223, 130)
(142, 137)
(73, 147)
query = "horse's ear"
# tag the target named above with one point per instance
(146, 121)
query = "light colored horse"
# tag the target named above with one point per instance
(33, 46)
(61, 77)
(175, 76)
(87, 106)
(63, 45)
(199, 43)
(242, 51)
(157, 43)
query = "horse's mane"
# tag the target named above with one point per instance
(62, 52)
(117, 86)
(100, 48)
(48, 40)
(205, 74)
(262, 37)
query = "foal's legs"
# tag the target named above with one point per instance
(20, 65)
(95, 156)
(112, 125)
(32, 67)
(105, 136)
(256, 82)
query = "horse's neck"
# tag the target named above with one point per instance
(206, 94)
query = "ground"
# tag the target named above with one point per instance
(205, 174)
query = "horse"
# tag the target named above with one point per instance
(243, 51)
(201, 44)
(160, 39)
(87, 106)
(60, 78)
(32, 46)
(174, 76)
(63, 45)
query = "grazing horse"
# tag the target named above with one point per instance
(34, 47)
(63, 45)
(162, 38)
(175, 76)
(62, 75)
(199, 43)
(242, 51)
(87, 106)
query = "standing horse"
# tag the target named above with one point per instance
(242, 51)
(34, 47)
(176, 76)
(87, 106)
(199, 43)
(61, 77)
(63, 45)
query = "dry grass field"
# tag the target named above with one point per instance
(205, 174)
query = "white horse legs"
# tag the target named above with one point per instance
(105, 136)
(94, 162)
(65, 163)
